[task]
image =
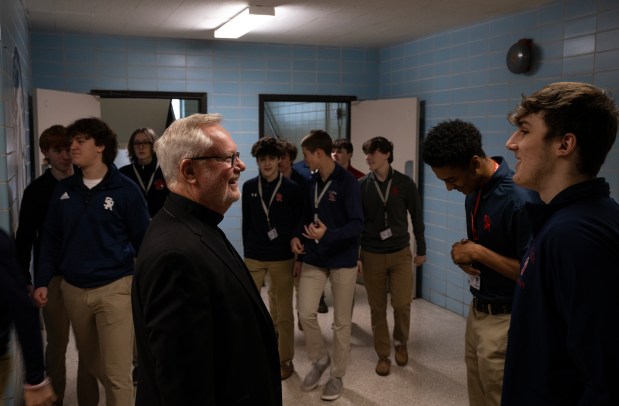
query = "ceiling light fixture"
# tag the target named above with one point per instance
(245, 21)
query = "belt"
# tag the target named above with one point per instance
(492, 308)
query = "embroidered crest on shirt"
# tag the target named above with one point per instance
(159, 184)
(486, 222)
(108, 204)
(395, 191)
(332, 196)
(530, 258)
(279, 198)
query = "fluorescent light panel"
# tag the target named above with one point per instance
(245, 21)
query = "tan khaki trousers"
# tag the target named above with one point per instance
(281, 288)
(311, 286)
(57, 330)
(485, 346)
(391, 272)
(103, 327)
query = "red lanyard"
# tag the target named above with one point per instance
(474, 212)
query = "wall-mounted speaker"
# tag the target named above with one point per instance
(518, 57)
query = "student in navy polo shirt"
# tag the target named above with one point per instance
(328, 244)
(562, 347)
(272, 204)
(497, 237)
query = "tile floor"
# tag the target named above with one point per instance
(435, 374)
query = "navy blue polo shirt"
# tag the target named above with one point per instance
(498, 221)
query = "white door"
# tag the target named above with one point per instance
(53, 107)
(398, 121)
(395, 119)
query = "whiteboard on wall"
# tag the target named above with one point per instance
(53, 107)
(395, 119)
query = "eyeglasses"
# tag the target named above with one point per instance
(228, 159)
(139, 144)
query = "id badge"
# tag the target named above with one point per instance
(475, 282)
(386, 233)
(272, 234)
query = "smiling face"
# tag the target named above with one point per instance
(268, 166)
(534, 158)
(216, 181)
(464, 180)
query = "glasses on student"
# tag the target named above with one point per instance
(227, 159)
(139, 144)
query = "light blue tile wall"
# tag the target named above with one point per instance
(232, 73)
(462, 73)
(14, 130)
(14, 152)
(458, 73)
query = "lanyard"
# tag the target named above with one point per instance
(318, 198)
(385, 197)
(264, 206)
(474, 212)
(150, 182)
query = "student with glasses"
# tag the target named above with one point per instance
(144, 168)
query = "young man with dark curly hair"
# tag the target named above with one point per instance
(272, 204)
(497, 237)
(92, 233)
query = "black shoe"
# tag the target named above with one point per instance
(322, 306)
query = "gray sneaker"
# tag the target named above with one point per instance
(311, 379)
(333, 389)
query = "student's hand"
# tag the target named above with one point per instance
(40, 297)
(463, 252)
(468, 268)
(315, 230)
(43, 396)
(296, 269)
(297, 246)
(419, 260)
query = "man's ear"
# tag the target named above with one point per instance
(186, 171)
(568, 145)
(475, 163)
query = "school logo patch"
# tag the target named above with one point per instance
(159, 184)
(486, 222)
(108, 204)
(332, 196)
(279, 198)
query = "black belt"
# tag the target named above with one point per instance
(492, 308)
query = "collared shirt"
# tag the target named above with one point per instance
(562, 347)
(340, 210)
(501, 225)
(402, 198)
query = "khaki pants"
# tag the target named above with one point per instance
(103, 327)
(311, 285)
(280, 273)
(393, 272)
(485, 346)
(57, 329)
